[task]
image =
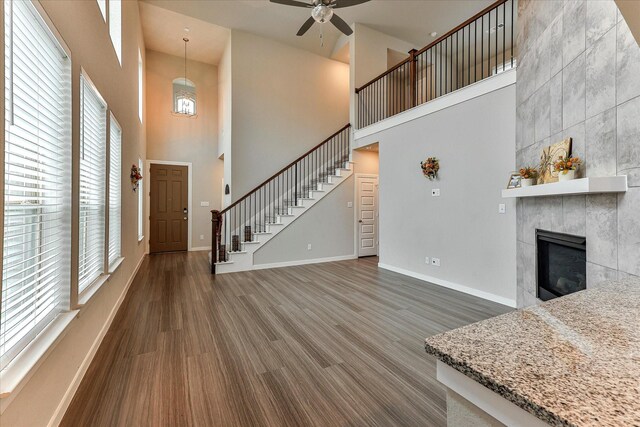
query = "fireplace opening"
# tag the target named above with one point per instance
(562, 264)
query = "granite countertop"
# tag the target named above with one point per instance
(572, 361)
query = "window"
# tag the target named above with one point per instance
(93, 126)
(102, 4)
(37, 165)
(115, 192)
(140, 88)
(140, 204)
(184, 96)
(115, 26)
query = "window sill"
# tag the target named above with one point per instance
(116, 264)
(186, 116)
(20, 369)
(91, 290)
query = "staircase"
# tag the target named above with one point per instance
(249, 223)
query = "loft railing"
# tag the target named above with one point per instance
(250, 215)
(480, 47)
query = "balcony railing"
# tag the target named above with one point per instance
(480, 47)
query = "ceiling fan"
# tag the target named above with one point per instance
(322, 11)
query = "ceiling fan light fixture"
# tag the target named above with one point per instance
(322, 13)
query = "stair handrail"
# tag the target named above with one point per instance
(266, 181)
(217, 217)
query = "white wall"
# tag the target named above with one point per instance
(224, 114)
(172, 137)
(84, 31)
(328, 226)
(365, 161)
(284, 102)
(474, 141)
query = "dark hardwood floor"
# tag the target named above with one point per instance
(326, 344)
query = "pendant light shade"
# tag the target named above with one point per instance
(184, 90)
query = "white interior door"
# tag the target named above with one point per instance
(367, 199)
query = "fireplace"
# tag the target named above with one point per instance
(562, 264)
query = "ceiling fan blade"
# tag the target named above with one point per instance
(347, 3)
(341, 25)
(291, 3)
(305, 27)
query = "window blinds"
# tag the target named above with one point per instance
(93, 125)
(115, 188)
(37, 162)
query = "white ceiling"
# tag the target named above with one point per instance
(409, 20)
(163, 32)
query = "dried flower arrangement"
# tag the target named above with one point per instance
(136, 176)
(430, 167)
(566, 164)
(528, 172)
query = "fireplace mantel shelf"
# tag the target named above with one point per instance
(609, 184)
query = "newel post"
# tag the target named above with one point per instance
(216, 227)
(413, 76)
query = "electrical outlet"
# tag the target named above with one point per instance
(502, 208)
(435, 262)
(204, 204)
(427, 260)
(435, 192)
(202, 237)
(309, 247)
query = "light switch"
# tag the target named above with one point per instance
(502, 208)
(204, 204)
(349, 204)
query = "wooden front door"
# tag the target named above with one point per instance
(169, 212)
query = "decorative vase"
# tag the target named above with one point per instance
(571, 174)
(527, 182)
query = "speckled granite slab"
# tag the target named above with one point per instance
(573, 361)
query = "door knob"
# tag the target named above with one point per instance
(185, 218)
(359, 220)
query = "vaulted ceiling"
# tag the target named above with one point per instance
(409, 20)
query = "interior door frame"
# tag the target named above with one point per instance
(356, 234)
(147, 197)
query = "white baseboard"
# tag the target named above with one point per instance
(303, 262)
(200, 248)
(77, 379)
(447, 284)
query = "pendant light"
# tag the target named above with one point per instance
(186, 96)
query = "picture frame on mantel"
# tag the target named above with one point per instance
(514, 180)
(549, 156)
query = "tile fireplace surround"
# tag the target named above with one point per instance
(577, 77)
